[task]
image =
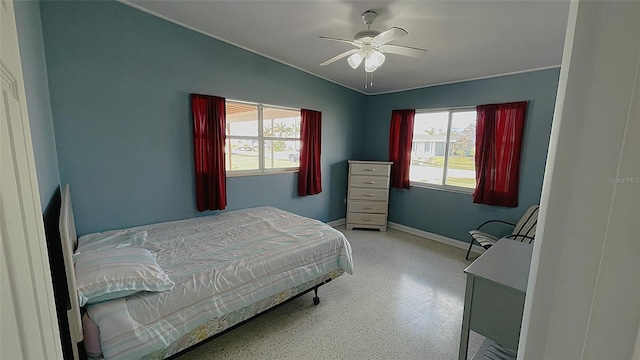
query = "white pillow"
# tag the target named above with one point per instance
(107, 274)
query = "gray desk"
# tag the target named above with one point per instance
(494, 298)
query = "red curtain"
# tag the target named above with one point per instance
(499, 130)
(400, 138)
(309, 178)
(209, 120)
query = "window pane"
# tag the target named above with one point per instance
(428, 148)
(241, 154)
(461, 169)
(242, 119)
(281, 123)
(281, 153)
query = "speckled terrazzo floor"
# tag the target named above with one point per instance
(404, 301)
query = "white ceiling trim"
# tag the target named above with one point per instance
(466, 80)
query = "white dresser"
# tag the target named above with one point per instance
(368, 194)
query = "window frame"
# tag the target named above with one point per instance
(444, 186)
(261, 140)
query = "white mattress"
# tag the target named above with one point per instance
(220, 264)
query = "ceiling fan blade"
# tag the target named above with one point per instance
(404, 50)
(388, 35)
(340, 56)
(341, 40)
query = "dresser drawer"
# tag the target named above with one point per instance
(370, 169)
(362, 181)
(368, 207)
(368, 194)
(367, 219)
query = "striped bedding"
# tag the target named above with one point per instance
(220, 264)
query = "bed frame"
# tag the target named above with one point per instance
(61, 241)
(264, 304)
(51, 218)
(68, 242)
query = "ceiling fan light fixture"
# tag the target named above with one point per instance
(377, 58)
(369, 65)
(354, 60)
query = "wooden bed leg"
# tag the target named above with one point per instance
(316, 299)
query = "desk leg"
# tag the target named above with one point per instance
(466, 316)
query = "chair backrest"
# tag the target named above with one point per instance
(526, 226)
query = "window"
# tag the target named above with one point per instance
(443, 149)
(261, 139)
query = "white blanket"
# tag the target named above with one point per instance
(220, 264)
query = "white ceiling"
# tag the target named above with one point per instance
(466, 39)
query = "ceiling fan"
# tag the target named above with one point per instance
(372, 45)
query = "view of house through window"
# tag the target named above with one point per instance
(261, 138)
(443, 148)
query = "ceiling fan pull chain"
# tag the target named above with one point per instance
(368, 80)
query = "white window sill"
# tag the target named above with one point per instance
(449, 188)
(239, 173)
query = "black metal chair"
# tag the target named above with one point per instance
(523, 231)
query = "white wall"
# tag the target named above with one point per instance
(583, 299)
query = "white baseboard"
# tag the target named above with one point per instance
(424, 234)
(338, 222)
(436, 237)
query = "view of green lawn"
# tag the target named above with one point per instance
(462, 163)
(250, 162)
(454, 181)
(460, 172)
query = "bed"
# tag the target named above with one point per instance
(193, 279)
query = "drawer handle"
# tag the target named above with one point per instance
(370, 169)
(370, 182)
(367, 208)
(368, 195)
(366, 219)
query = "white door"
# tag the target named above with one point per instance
(29, 326)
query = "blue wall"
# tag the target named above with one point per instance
(120, 81)
(35, 82)
(453, 214)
